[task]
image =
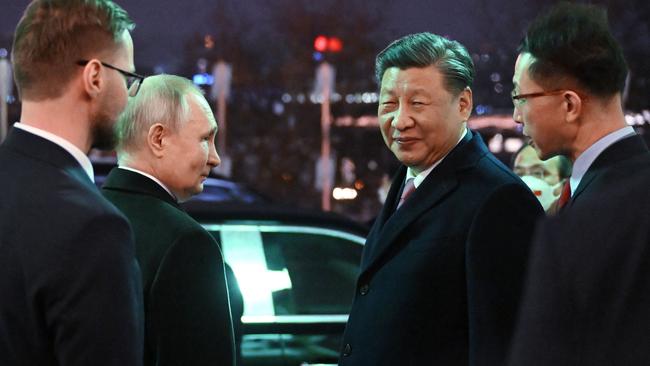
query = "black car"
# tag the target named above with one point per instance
(215, 188)
(295, 272)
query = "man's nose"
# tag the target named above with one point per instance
(401, 119)
(516, 115)
(213, 157)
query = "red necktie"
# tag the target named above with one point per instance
(566, 194)
(409, 188)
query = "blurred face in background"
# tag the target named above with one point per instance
(528, 163)
(542, 177)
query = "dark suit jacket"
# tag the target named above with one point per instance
(441, 277)
(619, 158)
(70, 291)
(187, 312)
(588, 293)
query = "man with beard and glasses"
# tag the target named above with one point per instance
(165, 152)
(69, 282)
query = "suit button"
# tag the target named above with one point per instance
(363, 290)
(347, 350)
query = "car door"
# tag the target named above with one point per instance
(296, 284)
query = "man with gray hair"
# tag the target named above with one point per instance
(441, 270)
(165, 152)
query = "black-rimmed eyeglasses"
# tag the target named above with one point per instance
(133, 80)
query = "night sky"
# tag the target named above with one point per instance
(168, 38)
(163, 26)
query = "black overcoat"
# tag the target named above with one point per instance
(441, 277)
(187, 311)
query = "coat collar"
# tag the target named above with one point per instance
(129, 181)
(621, 150)
(36, 147)
(443, 180)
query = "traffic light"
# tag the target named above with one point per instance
(334, 44)
(328, 44)
(320, 43)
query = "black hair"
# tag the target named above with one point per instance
(574, 40)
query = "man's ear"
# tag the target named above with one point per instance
(92, 78)
(572, 105)
(465, 103)
(155, 140)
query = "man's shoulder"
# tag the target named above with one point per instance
(640, 163)
(490, 173)
(148, 212)
(51, 213)
(41, 186)
(491, 181)
(620, 199)
(620, 181)
(24, 168)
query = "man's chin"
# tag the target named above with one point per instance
(103, 136)
(544, 155)
(538, 150)
(191, 193)
(406, 159)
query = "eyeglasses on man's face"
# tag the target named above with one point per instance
(519, 99)
(133, 80)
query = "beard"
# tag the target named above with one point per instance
(103, 127)
(103, 137)
(103, 134)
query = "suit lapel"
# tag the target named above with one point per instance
(428, 194)
(441, 182)
(128, 181)
(623, 149)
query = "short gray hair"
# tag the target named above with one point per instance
(161, 99)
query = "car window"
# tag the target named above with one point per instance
(291, 270)
(322, 271)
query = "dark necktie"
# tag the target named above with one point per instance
(409, 188)
(566, 194)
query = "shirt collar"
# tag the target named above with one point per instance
(150, 177)
(76, 153)
(419, 178)
(584, 161)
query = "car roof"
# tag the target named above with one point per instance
(210, 213)
(216, 188)
(224, 200)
